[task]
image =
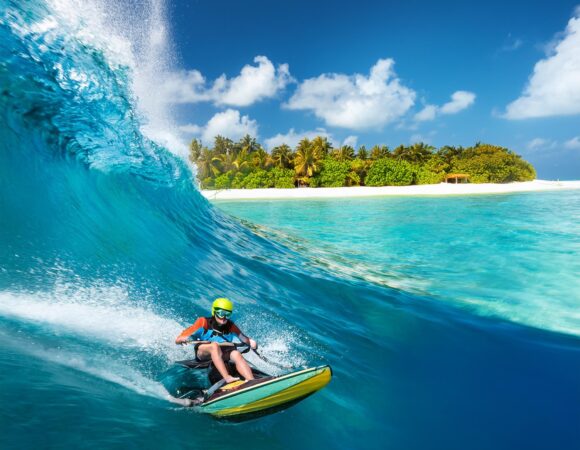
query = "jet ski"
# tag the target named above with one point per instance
(243, 400)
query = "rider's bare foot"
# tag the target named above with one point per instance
(230, 379)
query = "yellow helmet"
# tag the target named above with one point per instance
(221, 303)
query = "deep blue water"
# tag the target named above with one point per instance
(107, 251)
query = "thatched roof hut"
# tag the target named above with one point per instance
(457, 178)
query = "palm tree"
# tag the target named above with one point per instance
(260, 158)
(223, 145)
(424, 149)
(344, 153)
(307, 159)
(194, 150)
(322, 146)
(249, 143)
(449, 153)
(224, 161)
(282, 156)
(417, 153)
(206, 165)
(400, 151)
(360, 168)
(378, 152)
(362, 154)
(241, 162)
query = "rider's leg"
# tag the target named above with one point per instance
(241, 365)
(213, 351)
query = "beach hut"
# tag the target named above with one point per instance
(457, 178)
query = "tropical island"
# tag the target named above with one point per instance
(316, 163)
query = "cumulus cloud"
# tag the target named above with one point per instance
(292, 137)
(573, 144)
(460, 100)
(554, 86)
(355, 101)
(228, 123)
(253, 84)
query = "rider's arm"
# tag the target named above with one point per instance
(245, 339)
(188, 332)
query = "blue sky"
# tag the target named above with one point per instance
(371, 72)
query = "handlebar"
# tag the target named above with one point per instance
(246, 349)
(237, 345)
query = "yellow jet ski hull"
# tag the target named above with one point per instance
(267, 394)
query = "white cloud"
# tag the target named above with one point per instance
(540, 144)
(355, 101)
(253, 84)
(554, 86)
(228, 123)
(460, 100)
(573, 144)
(427, 113)
(292, 137)
(350, 140)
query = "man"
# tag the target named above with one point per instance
(219, 329)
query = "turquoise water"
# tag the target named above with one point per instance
(513, 256)
(107, 250)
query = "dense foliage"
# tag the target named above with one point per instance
(491, 164)
(246, 165)
(390, 172)
(334, 173)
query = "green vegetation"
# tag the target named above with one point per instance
(390, 172)
(315, 163)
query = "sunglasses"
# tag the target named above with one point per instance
(223, 313)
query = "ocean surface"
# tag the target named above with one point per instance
(450, 323)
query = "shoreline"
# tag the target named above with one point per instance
(441, 189)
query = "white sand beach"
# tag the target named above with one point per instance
(366, 191)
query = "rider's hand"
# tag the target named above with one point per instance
(253, 344)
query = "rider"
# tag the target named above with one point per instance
(219, 329)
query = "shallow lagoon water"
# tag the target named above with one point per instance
(511, 255)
